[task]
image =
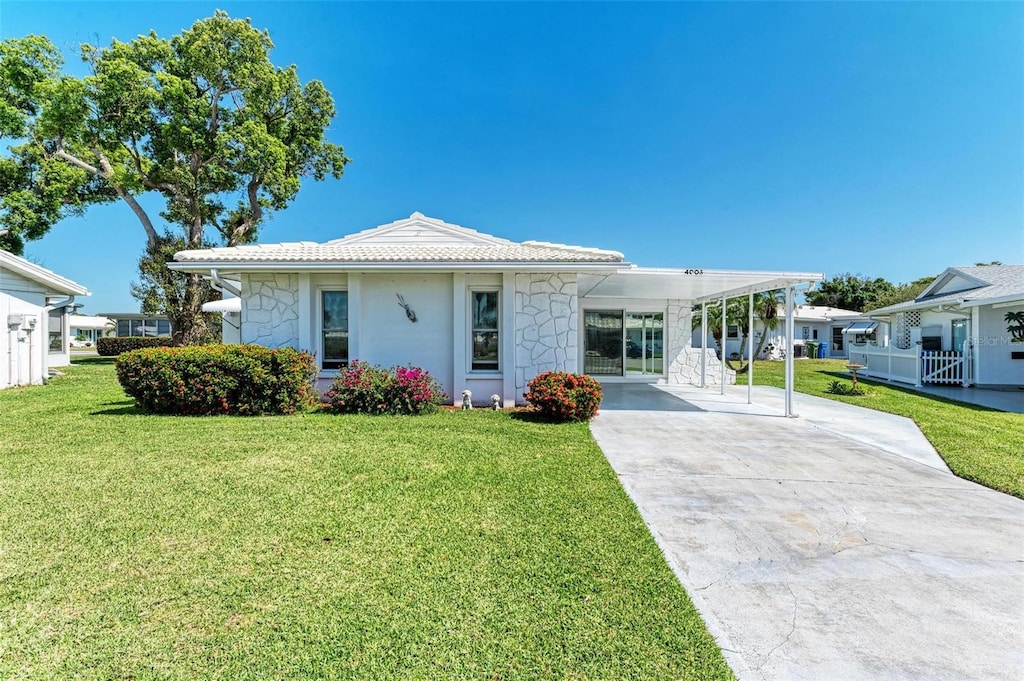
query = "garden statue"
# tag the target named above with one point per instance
(467, 400)
(495, 402)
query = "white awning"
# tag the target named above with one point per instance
(78, 321)
(861, 327)
(693, 285)
(225, 305)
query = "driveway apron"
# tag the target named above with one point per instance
(823, 547)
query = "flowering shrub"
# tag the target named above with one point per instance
(365, 389)
(114, 346)
(562, 396)
(218, 379)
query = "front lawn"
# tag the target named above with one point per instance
(977, 443)
(457, 545)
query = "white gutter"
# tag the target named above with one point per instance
(222, 285)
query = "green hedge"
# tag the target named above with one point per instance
(114, 346)
(218, 379)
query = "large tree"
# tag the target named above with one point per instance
(204, 120)
(849, 292)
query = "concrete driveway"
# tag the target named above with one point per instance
(832, 546)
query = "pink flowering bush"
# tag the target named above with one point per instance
(362, 388)
(218, 379)
(562, 396)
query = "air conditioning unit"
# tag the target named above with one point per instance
(15, 321)
(30, 323)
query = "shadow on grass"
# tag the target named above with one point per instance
(93, 361)
(533, 416)
(910, 391)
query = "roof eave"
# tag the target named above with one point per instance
(358, 266)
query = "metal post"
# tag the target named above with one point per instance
(703, 343)
(789, 352)
(725, 337)
(750, 349)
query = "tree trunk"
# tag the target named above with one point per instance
(188, 321)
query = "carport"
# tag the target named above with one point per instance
(706, 288)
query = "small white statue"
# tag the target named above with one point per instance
(467, 400)
(495, 402)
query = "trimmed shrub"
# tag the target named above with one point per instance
(218, 379)
(562, 396)
(114, 346)
(365, 389)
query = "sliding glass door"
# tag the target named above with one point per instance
(645, 335)
(623, 343)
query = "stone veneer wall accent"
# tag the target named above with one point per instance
(683, 360)
(546, 317)
(270, 310)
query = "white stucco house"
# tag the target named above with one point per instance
(87, 329)
(479, 312)
(831, 327)
(966, 328)
(35, 306)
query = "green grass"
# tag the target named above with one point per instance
(456, 545)
(977, 443)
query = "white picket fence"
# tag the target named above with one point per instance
(944, 367)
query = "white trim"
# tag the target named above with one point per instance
(508, 350)
(230, 266)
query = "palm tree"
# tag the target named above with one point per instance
(1016, 325)
(766, 314)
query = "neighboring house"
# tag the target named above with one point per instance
(139, 324)
(966, 328)
(34, 311)
(831, 327)
(86, 330)
(479, 312)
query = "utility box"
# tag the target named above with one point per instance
(14, 321)
(30, 323)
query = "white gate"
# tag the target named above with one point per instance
(938, 366)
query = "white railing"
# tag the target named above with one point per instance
(914, 366)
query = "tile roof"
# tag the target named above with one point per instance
(417, 239)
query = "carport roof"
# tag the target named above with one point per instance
(695, 285)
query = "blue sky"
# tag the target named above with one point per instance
(880, 139)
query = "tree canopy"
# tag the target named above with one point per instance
(203, 119)
(849, 292)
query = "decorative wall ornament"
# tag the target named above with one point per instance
(1016, 325)
(405, 306)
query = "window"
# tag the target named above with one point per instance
(56, 330)
(484, 333)
(837, 339)
(806, 332)
(334, 329)
(814, 334)
(733, 331)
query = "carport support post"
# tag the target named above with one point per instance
(789, 352)
(703, 344)
(750, 348)
(725, 336)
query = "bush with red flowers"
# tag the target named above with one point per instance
(218, 379)
(562, 396)
(362, 388)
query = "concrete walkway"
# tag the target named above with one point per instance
(832, 546)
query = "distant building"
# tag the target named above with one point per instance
(139, 324)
